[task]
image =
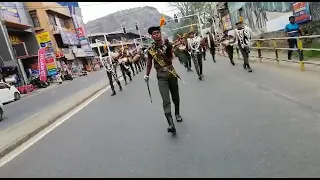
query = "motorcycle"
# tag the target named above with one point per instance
(39, 84)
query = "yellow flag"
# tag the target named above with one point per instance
(162, 20)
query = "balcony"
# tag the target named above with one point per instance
(50, 6)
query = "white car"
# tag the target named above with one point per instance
(8, 93)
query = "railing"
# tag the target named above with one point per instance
(300, 50)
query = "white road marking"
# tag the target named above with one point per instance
(51, 127)
(53, 92)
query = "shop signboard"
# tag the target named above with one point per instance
(301, 12)
(45, 42)
(42, 64)
(9, 12)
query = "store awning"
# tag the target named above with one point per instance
(14, 25)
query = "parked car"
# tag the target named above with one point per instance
(8, 93)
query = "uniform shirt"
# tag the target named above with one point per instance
(243, 36)
(292, 29)
(108, 64)
(164, 52)
(194, 44)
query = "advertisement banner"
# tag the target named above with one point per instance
(301, 12)
(80, 33)
(9, 12)
(45, 43)
(42, 64)
(226, 20)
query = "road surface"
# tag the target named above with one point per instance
(42, 99)
(236, 124)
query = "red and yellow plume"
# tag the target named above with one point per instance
(162, 20)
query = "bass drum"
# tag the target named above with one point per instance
(136, 58)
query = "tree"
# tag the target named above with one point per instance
(188, 8)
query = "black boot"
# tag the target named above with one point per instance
(232, 62)
(113, 92)
(171, 127)
(125, 82)
(249, 68)
(120, 88)
(244, 66)
(179, 118)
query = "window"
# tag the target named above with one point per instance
(64, 23)
(34, 18)
(52, 20)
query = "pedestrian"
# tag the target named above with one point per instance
(227, 41)
(194, 48)
(211, 45)
(160, 54)
(243, 35)
(185, 53)
(292, 30)
(110, 73)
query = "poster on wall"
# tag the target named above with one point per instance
(9, 11)
(226, 20)
(301, 12)
(45, 42)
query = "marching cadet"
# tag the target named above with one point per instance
(129, 63)
(211, 45)
(136, 61)
(243, 35)
(110, 73)
(194, 47)
(227, 41)
(204, 47)
(185, 53)
(121, 59)
(160, 54)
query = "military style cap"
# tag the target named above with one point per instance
(240, 20)
(153, 28)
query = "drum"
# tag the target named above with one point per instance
(136, 58)
(182, 47)
(225, 42)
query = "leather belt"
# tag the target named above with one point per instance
(164, 69)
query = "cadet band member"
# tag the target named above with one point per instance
(194, 48)
(160, 53)
(204, 47)
(111, 73)
(211, 45)
(243, 35)
(121, 59)
(227, 41)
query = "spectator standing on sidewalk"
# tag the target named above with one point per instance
(292, 30)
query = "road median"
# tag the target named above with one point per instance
(16, 135)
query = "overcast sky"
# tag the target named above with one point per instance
(94, 10)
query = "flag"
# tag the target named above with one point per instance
(162, 20)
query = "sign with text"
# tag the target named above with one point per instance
(42, 64)
(9, 12)
(301, 12)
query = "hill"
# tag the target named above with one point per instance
(144, 16)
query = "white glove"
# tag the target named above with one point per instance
(146, 78)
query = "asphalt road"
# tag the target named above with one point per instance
(42, 99)
(236, 124)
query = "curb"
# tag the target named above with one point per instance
(54, 118)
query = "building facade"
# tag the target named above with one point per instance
(18, 40)
(55, 28)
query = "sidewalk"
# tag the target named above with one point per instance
(55, 84)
